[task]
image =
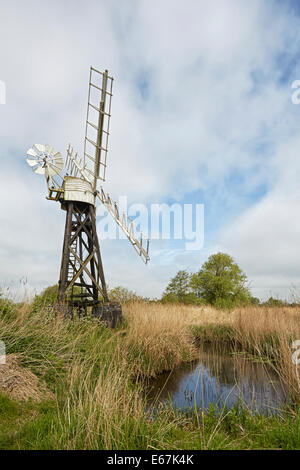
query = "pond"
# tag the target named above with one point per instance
(220, 378)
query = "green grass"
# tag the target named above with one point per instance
(31, 426)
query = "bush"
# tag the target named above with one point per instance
(187, 299)
(7, 308)
(122, 295)
(271, 302)
(46, 299)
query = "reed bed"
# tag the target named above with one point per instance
(269, 333)
(158, 336)
(91, 372)
(161, 336)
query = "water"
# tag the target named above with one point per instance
(222, 379)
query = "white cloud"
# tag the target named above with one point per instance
(197, 94)
(265, 238)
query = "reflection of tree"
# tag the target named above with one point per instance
(215, 376)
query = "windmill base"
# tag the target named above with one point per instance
(110, 313)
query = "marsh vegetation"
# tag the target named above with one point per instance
(92, 379)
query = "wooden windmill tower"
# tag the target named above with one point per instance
(75, 186)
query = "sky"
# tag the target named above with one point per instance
(202, 113)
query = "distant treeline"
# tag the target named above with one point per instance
(220, 282)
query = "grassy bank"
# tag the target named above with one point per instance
(89, 378)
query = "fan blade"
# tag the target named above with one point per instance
(40, 147)
(40, 170)
(58, 160)
(31, 161)
(58, 164)
(52, 169)
(31, 152)
(50, 149)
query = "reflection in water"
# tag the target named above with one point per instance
(219, 378)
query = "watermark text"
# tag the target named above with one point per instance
(176, 221)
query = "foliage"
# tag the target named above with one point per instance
(221, 282)
(179, 290)
(49, 296)
(187, 299)
(179, 285)
(271, 302)
(122, 295)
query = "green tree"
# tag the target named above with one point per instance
(179, 289)
(179, 285)
(221, 282)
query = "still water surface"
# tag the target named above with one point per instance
(219, 378)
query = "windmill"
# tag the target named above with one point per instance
(75, 185)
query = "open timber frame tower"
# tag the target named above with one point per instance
(81, 281)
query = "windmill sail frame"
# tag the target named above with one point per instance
(97, 125)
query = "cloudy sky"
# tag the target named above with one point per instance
(202, 113)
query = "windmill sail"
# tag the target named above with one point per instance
(97, 125)
(141, 246)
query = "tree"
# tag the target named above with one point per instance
(221, 282)
(179, 285)
(122, 295)
(179, 289)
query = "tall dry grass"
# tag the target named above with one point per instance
(160, 336)
(269, 333)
